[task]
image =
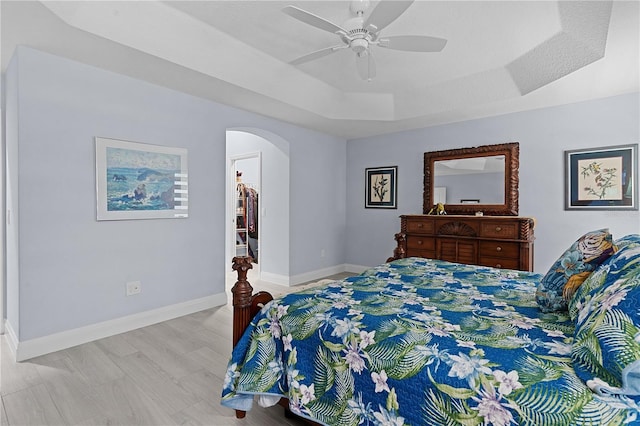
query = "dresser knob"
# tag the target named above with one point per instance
(498, 229)
(498, 248)
(420, 225)
(419, 242)
(498, 265)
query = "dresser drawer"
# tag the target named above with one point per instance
(497, 241)
(490, 229)
(421, 243)
(419, 226)
(457, 250)
(497, 262)
(500, 249)
(427, 254)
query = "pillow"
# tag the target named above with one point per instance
(606, 347)
(601, 277)
(572, 268)
(631, 240)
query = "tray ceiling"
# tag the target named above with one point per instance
(500, 57)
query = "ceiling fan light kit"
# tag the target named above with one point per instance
(359, 45)
(359, 34)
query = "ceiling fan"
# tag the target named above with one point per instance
(359, 34)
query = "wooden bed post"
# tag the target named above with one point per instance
(241, 291)
(245, 304)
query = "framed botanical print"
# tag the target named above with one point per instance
(381, 187)
(602, 178)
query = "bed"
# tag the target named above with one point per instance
(420, 341)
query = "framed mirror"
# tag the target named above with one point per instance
(470, 180)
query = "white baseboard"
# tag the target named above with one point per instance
(287, 281)
(12, 339)
(66, 339)
(315, 275)
(325, 272)
(278, 279)
(358, 269)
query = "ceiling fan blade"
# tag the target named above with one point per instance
(366, 65)
(413, 43)
(317, 54)
(385, 13)
(314, 20)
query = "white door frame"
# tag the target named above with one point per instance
(231, 201)
(5, 216)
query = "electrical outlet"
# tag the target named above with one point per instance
(134, 287)
(323, 253)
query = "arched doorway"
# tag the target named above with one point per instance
(273, 192)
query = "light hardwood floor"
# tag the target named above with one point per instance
(169, 373)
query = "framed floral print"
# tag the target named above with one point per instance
(381, 188)
(602, 178)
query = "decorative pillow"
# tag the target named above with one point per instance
(631, 240)
(606, 348)
(601, 277)
(572, 268)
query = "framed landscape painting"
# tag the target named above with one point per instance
(602, 178)
(381, 188)
(140, 181)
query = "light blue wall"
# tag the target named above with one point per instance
(73, 269)
(543, 134)
(318, 176)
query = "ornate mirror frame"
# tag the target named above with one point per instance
(511, 152)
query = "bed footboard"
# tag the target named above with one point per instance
(245, 304)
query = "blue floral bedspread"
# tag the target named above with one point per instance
(418, 342)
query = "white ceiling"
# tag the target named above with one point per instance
(501, 56)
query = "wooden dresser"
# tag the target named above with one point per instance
(498, 241)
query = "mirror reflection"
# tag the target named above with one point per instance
(482, 179)
(478, 180)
